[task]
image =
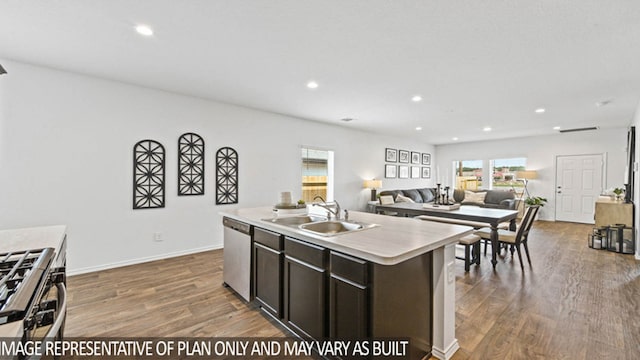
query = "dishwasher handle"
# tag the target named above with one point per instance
(236, 225)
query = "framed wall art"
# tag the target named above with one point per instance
(390, 171)
(403, 156)
(226, 176)
(426, 159)
(415, 157)
(148, 175)
(190, 164)
(391, 155)
(426, 173)
(403, 172)
(415, 172)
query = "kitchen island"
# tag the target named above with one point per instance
(393, 280)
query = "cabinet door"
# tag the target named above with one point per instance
(348, 297)
(305, 298)
(349, 310)
(267, 279)
(305, 289)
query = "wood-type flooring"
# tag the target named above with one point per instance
(571, 303)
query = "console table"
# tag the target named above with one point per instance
(610, 212)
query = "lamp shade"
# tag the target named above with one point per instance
(527, 174)
(372, 184)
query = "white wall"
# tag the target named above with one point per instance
(66, 158)
(541, 152)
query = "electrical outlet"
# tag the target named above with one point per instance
(451, 276)
(157, 236)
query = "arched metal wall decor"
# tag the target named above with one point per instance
(190, 164)
(226, 176)
(148, 175)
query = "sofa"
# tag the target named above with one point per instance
(493, 199)
(423, 195)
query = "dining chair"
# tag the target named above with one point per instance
(514, 238)
(471, 245)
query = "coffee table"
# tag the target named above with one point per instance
(491, 217)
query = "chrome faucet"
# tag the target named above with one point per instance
(327, 207)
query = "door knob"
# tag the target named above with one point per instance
(559, 192)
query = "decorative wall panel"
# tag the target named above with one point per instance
(148, 175)
(190, 164)
(226, 176)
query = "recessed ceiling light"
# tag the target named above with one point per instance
(416, 98)
(540, 110)
(556, 128)
(486, 128)
(312, 84)
(144, 30)
(418, 128)
(454, 138)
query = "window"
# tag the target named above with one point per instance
(503, 173)
(317, 174)
(468, 174)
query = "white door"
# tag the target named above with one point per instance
(578, 184)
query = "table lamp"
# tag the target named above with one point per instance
(373, 185)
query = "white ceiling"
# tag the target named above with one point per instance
(475, 63)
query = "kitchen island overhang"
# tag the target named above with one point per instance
(391, 248)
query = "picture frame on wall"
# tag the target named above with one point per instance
(426, 159)
(415, 158)
(403, 156)
(390, 171)
(391, 155)
(403, 171)
(426, 172)
(415, 172)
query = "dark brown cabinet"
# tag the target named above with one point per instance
(320, 294)
(305, 288)
(267, 272)
(348, 297)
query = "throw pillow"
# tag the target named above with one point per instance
(386, 200)
(402, 198)
(473, 197)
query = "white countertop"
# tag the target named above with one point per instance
(32, 238)
(395, 240)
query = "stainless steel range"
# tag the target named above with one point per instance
(32, 295)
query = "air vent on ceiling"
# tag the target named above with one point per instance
(579, 129)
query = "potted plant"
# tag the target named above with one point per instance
(535, 200)
(618, 193)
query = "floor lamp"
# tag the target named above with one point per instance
(525, 176)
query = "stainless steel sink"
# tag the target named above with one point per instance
(331, 228)
(296, 220)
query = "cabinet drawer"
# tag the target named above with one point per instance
(268, 238)
(349, 268)
(311, 254)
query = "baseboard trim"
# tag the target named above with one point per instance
(637, 256)
(91, 269)
(447, 353)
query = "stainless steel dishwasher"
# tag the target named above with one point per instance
(237, 257)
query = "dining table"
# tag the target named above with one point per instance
(462, 215)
